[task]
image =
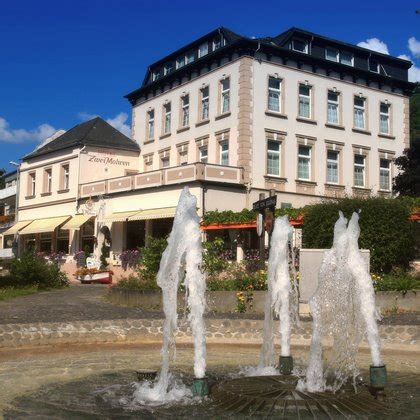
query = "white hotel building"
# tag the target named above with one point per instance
(230, 117)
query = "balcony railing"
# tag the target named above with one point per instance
(7, 221)
(168, 176)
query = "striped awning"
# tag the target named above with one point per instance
(16, 227)
(161, 213)
(44, 225)
(76, 222)
(120, 216)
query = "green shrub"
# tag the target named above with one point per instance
(151, 256)
(136, 283)
(384, 223)
(396, 281)
(34, 270)
(213, 262)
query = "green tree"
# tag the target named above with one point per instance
(407, 182)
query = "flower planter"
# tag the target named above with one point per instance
(104, 277)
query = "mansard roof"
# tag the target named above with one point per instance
(393, 70)
(95, 132)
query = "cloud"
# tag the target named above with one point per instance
(118, 122)
(414, 47)
(20, 135)
(374, 44)
(413, 71)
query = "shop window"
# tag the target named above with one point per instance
(136, 233)
(88, 236)
(45, 242)
(162, 227)
(63, 241)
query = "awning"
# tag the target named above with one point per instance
(162, 213)
(16, 227)
(76, 222)
(44, 225)
(120, 216)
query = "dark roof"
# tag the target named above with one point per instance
(395, 70)
(95, 132)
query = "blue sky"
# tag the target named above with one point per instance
(62, 61)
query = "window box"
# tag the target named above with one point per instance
(224, 115)
(306, 120)
(275, 114)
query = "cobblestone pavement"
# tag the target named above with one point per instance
(87, 302)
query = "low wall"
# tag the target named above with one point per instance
(226, 302)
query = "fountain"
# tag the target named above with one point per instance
(282, 298)
(181, 260)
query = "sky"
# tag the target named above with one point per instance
(62, 61)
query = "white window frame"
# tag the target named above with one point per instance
(217, 42)
(377, 66)
(205, 103)
(32, 177)
(182, 155)
(66, 176)
(363, 167)
(351, 58)
(272, 92)
(151, 124)
(204, 157)
(386, 115)
(224, 95)
(180, 62)
(167, 117)
(204, 46)
(337, 54)
(300, 40)
(387, 172)
(273, 153)
(224, 153)
(165, 162)
(307, 158)
(335, 162)
(189, 57)
(359, 108)
(48, 173)
(335, 103)
(185, 111)
(168, 68)
(301, 96)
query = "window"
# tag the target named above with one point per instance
(189, 57)
(359, 171)
(31, 184)
(180, 62)
(384, 118)
(88, 236)
(217, 42)
(225, 95)
(168, 68)
(274, 94)
(203, 50)
(385, 174)
(151, 125)
(304, 162)
(300, 45)
(332, 167)
(346, 58)
(65, 177)
(48, 180)
(185, 105)
(45, 242)
(167, 118)
(224, 153)
(373, 66)
(273, 158)
(203, 154)
(157, 74)
(331, 54)
(359, 113)
(63, 241)
(164, 162)
(183, 158)
(333, 104)
(205, 103)
(304, 101)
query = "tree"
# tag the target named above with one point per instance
(407, 182)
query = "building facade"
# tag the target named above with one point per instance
(230, 117)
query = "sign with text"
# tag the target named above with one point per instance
(265, 203)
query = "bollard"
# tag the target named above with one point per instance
(286, 365)
(378, 377)
(200, 387)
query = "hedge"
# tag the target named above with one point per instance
(386, 229)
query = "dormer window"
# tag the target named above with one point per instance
(300, 45)
(189, 57)
(217, 42)
(373, 66)
(331, 54)
(180, 62)
(203, 50)
(168, 68)
(157, 74)
(346, 58)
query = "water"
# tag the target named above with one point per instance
(282, 294)
(343, 308)
(181, 261)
